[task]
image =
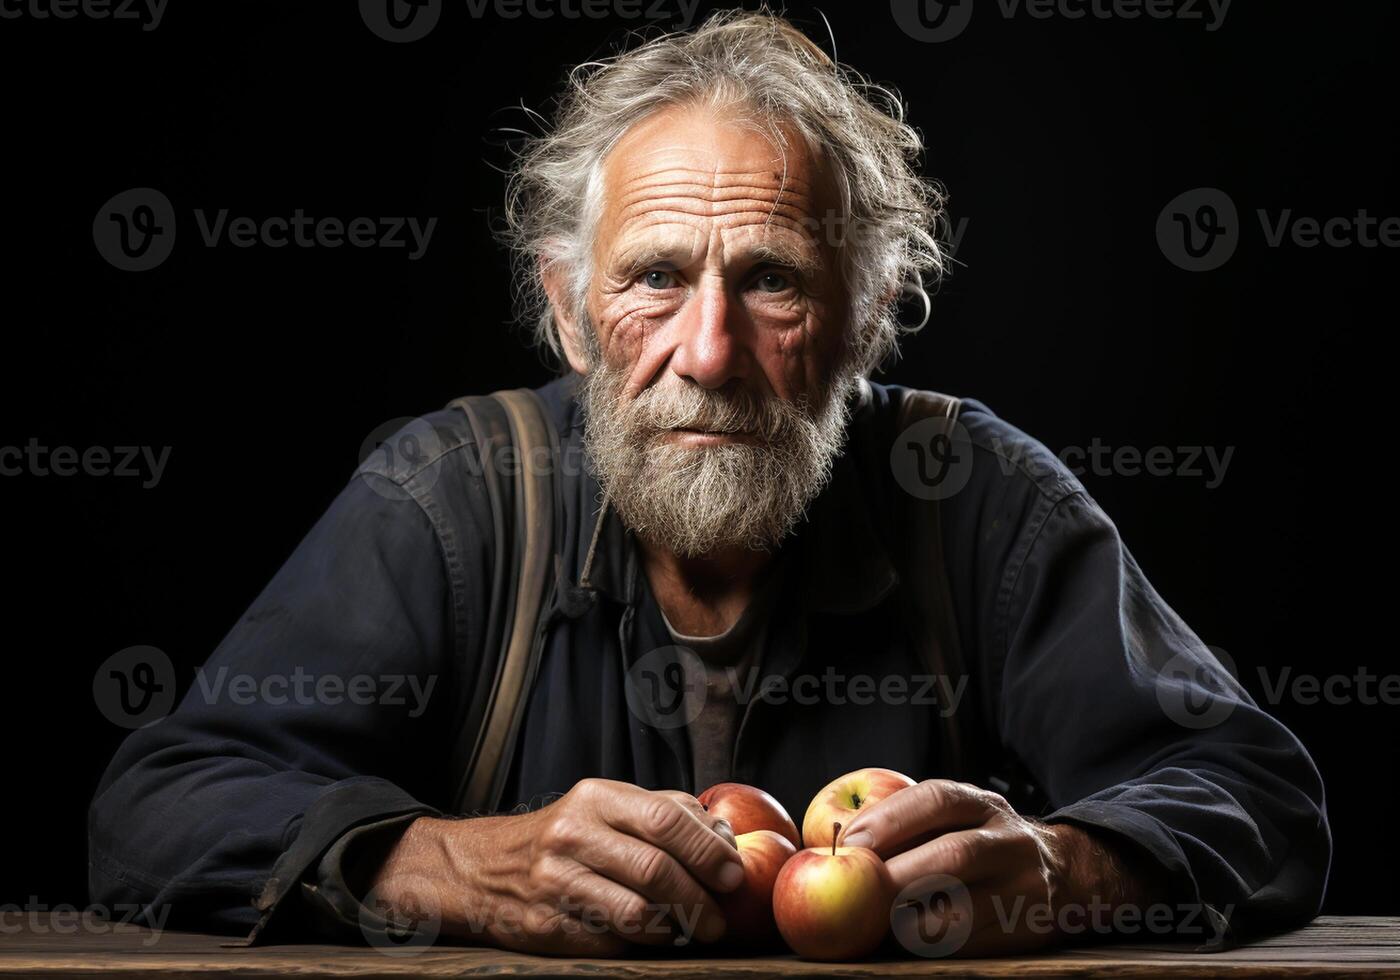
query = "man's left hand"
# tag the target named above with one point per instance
(1009, 879)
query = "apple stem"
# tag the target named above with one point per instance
(835, 833)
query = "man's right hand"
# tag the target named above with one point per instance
(605, 865)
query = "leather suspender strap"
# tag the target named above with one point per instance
(929, 601)
(518, 450)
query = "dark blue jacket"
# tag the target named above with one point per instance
(228, 813)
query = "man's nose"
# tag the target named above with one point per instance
(710, 349)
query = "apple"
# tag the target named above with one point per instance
(748, 910)
(833, 903)
(841, 799)
(748, 808)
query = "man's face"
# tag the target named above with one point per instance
(716, 329)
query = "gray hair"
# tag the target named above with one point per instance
(891, 218)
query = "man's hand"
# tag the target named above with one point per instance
(605, 865)
(1016, 875)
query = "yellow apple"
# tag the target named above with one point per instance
(841, 799)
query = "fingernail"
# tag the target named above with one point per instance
(861, 838)
(731, 876)
(725, 830)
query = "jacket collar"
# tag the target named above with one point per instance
(845, 563)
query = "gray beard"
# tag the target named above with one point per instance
(697, 500)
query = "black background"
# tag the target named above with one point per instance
(1060, 141)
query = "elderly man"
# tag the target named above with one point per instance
(713, 236)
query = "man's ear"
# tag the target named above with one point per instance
(561, 309)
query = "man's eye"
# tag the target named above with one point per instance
(772, 282)
(658, 279)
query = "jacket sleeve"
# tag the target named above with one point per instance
(322, 710)
(1133, 726)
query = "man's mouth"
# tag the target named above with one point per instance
(708, 435)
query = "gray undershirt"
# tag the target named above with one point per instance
(728, 659)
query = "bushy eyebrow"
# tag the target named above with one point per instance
(634, 260)
(784, 253)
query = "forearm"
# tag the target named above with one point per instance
(1106, 871)
(458, 875)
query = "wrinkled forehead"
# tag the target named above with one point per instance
(685, 174)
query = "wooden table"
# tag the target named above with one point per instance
(1332, 945)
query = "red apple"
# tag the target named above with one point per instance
(833, 903)
(748, 910)
(748, 808)
(841, 799)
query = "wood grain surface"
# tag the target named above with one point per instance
(1332, 945)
